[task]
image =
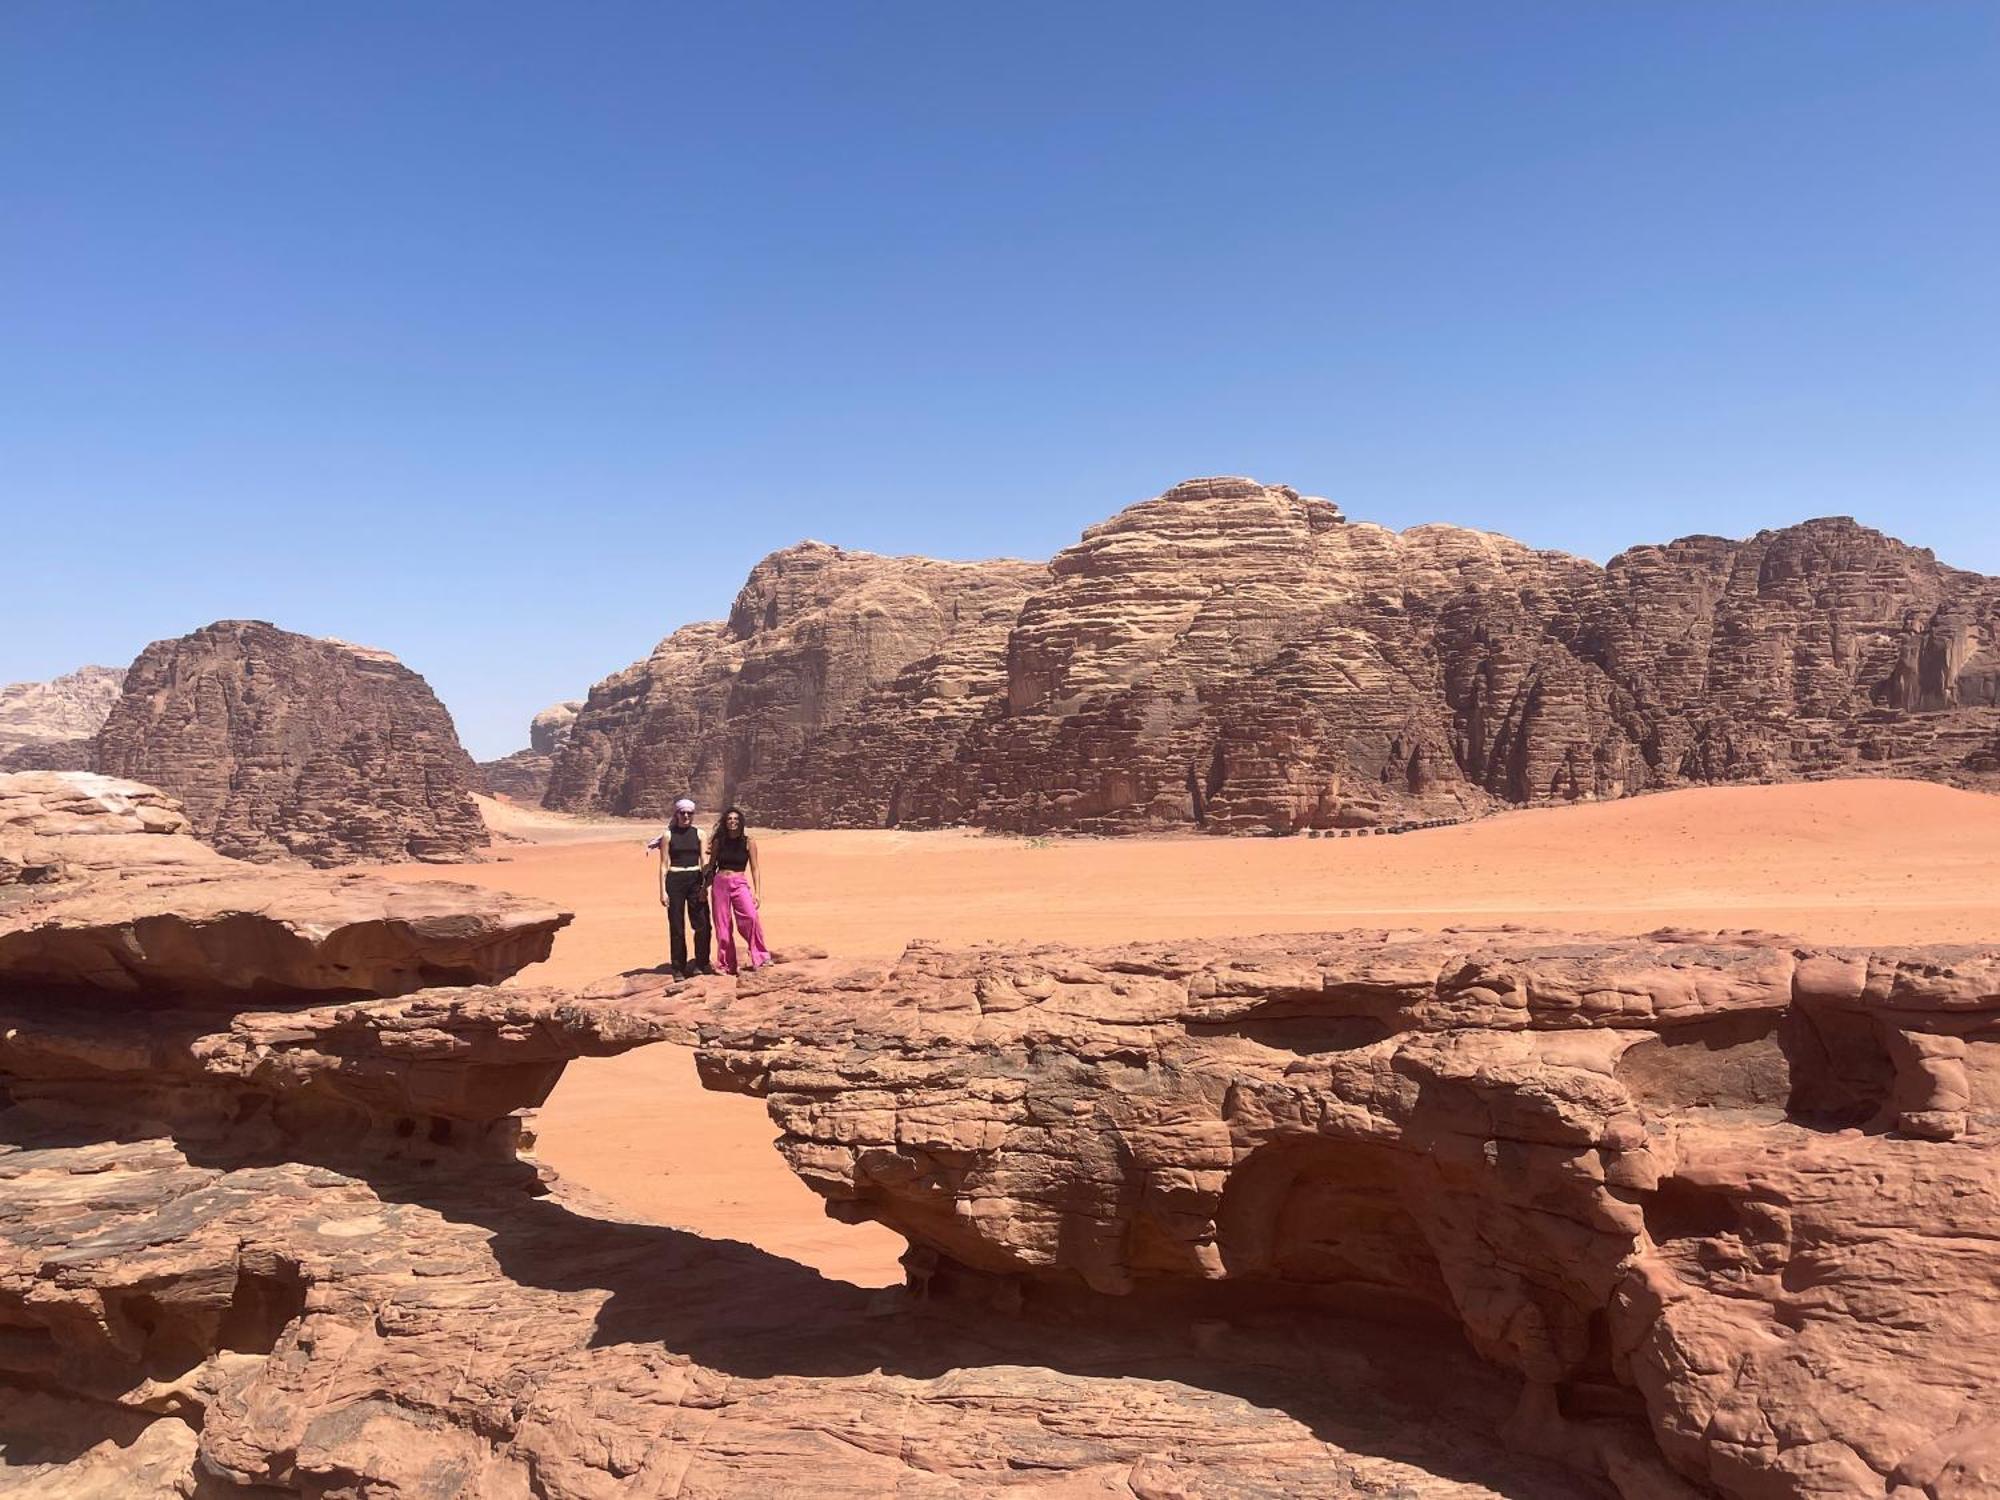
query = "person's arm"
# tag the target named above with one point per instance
(756, 884)
(663, 872)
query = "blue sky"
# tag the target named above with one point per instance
(508, 336)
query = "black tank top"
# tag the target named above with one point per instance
(683, 848)
(732, 854)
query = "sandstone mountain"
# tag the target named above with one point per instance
(524, 775)
(49, 725)
(837, 687)
(286, 745)
(1233, 656)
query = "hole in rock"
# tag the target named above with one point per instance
(1333, 1215)
(172, 1338)
(1729, 1062)
(1295, 1030)
(26, 1346)
(1841, 1073)
(270, 1295)
(1683, 1210)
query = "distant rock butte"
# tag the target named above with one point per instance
(838, 693)
(1237, 657)
(524, 775)
(285, 745)
(50, 725)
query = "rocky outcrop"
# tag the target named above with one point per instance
(273, 1245)
(838, 686)
(1718, 1200)
(524, 775)
(1238, 657)
(282, 745)
(111, 894)
(48, 726)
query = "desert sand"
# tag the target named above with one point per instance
(1832, 862)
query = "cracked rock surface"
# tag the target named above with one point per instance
(1725, 1205)
(263, 1241)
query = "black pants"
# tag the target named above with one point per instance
(687, 893)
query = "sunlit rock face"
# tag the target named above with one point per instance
(283, 745)
(839, 685)
(48, 726)
(265, 1229)
(524, 775)
(1716, 1192)
(1237, 657)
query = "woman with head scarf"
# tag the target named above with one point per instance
(733, 891)
(681, 890)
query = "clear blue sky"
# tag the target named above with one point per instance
(507, 336)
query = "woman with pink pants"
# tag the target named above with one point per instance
(732, 892)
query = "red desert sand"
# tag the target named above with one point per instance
(1866, 862)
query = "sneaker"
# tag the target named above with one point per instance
(680, 971)
(708, 969)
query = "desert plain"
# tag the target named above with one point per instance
(1872, 862)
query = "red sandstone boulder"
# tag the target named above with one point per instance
(281, 745)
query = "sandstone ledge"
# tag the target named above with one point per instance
(1742, 1191)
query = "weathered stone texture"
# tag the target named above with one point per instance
(838, 685)
(1740, 1190)
(103, 889)
(268, 1245)
(285, 745)
(48, 726)
(1238, 657)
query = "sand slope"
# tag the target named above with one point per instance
(1830, 862)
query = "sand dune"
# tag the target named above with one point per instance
(1830, 862)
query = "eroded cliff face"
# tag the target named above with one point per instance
(1730, 1194)
(839, 684)
(48, 726)
(283, 745)
(1237, 657)
(264, 1230)
(524, 775)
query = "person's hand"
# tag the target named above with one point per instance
(663, 898)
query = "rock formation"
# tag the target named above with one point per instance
(274, 1239)
(832, 695)
(285, 745)
(1237, 657)
(1716, 1199)
(49, 725)
(524, 775)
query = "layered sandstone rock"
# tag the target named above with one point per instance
(274, 1246)
(524, 775)
(1238, 657)
(285, 745)
(837, 687)
(102, 888)
(49, 725)
(1717, 1192)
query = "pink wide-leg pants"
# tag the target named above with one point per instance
(730, 896)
